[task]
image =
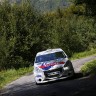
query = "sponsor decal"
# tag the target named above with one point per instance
(38, 76)
(46, 66)
(53, 73)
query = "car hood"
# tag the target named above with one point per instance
(50, 65)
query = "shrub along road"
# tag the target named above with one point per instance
(79, 85)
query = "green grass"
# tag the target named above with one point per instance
(8, 76)
(89, 68)
(83, 54)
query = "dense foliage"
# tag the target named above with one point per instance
(24, 32)
(90, 6)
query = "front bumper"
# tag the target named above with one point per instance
(64, 73)
(52, 79)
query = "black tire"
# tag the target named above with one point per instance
(73, 74)
(36, 82)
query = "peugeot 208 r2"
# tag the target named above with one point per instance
(52, 64)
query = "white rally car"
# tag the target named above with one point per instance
(52, 64)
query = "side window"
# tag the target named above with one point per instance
(60, 55)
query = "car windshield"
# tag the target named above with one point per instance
(49, 57)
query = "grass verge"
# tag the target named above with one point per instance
(8, 76)
(89, 68)
(83, 54)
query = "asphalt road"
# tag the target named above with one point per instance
(77, 86)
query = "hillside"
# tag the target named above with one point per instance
(46, 5)
(49, 5)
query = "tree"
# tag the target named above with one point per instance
(23, 33)
(90, 6)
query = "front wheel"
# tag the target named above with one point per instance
(36, 83)
(73, 74)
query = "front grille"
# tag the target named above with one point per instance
(46, 73)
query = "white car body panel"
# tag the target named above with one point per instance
(51, 70)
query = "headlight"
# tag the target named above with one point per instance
(37, 70)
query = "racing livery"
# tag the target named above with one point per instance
(52, 64)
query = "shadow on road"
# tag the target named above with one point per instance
(76, 76)
(77, 86)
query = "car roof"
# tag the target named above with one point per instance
(48, 51)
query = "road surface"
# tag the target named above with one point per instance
(77, 86)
